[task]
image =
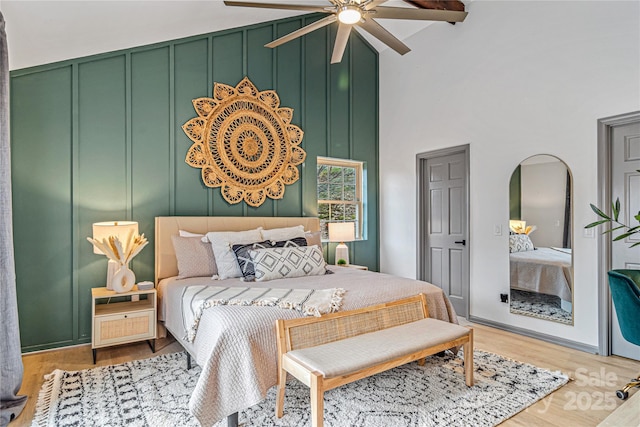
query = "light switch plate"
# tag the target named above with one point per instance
(497, 230)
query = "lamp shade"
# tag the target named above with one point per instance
(342, 231)
(120, 229)
(517, 226)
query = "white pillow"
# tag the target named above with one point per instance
(284, 263)
(183, 233)
(221, 242)
(285, 233)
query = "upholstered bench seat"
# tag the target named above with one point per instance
(336, 349)
(363, 351)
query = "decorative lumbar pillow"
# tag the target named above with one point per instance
(281, 263)
(313, 238)
(246, 263)
(520, 243)
(195, 258)
(221, 242)
(281, 234)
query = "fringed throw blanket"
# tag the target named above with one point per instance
(310, 302)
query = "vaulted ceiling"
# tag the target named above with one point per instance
(46, 31)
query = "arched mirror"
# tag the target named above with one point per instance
(540, 241)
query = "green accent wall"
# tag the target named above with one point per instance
(515, 197)
(100, 138)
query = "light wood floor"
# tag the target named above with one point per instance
(585, 401)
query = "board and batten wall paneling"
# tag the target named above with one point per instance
(100, 138)
(42, 206)
(191, 79)
(101, 187)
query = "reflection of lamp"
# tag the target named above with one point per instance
(342, 232)
(520, 227)
(517, 226)
(120, 229)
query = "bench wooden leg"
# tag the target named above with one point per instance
(317, 400)
(282, 383)
(468, 360)
(422, 361)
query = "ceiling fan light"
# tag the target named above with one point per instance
(349, 15)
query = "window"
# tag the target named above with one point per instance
(340, 193)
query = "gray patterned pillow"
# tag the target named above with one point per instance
(246, 263)
(284, 263)
(195, 258)
(520, 243)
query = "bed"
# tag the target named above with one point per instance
(543, 270)
(236, 345)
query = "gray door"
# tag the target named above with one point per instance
(443, 225)
(625, 185)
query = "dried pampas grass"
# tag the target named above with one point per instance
(114, 249)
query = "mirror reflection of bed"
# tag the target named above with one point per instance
(540, 241)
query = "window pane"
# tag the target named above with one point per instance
(323, 211)
(350, 212)
(335, 192)
(337, 212)
(323, 191)
(324, 230)
(323, 173)
(349, 192)
(349, 176)
(335, 175)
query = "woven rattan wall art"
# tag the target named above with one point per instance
(244, 142)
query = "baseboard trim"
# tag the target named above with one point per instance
(537, 335)
(46, 350)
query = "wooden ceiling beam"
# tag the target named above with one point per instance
(438, 4)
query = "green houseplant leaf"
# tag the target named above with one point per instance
(626, 230)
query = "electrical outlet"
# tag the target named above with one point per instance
(589, 233)
(135, 297)
(504, 298)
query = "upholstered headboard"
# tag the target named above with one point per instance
(167, 226)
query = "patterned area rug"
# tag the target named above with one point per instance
(539, 305)
(155, 392)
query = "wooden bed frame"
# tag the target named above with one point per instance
(167, 226)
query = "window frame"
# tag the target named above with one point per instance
(359, 201)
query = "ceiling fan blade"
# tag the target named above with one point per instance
(342, 37)
(378, 31)
(373, 4)
(302, 31)
(418, 14)
(277, 6)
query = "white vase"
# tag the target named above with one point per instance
(123, 280)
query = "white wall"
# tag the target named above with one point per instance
(543, 187)
(515, 79)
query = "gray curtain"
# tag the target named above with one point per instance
(11, 368)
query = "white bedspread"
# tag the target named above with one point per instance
(236, 345)
(544, 270)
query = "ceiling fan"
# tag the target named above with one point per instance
(356, 12)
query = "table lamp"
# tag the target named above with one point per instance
(120, 229)
(342, 232)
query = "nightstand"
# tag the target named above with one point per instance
(357, 267)
(130, 318)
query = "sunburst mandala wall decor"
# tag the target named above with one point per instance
(244, 142)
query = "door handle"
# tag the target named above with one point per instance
(462, 242)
